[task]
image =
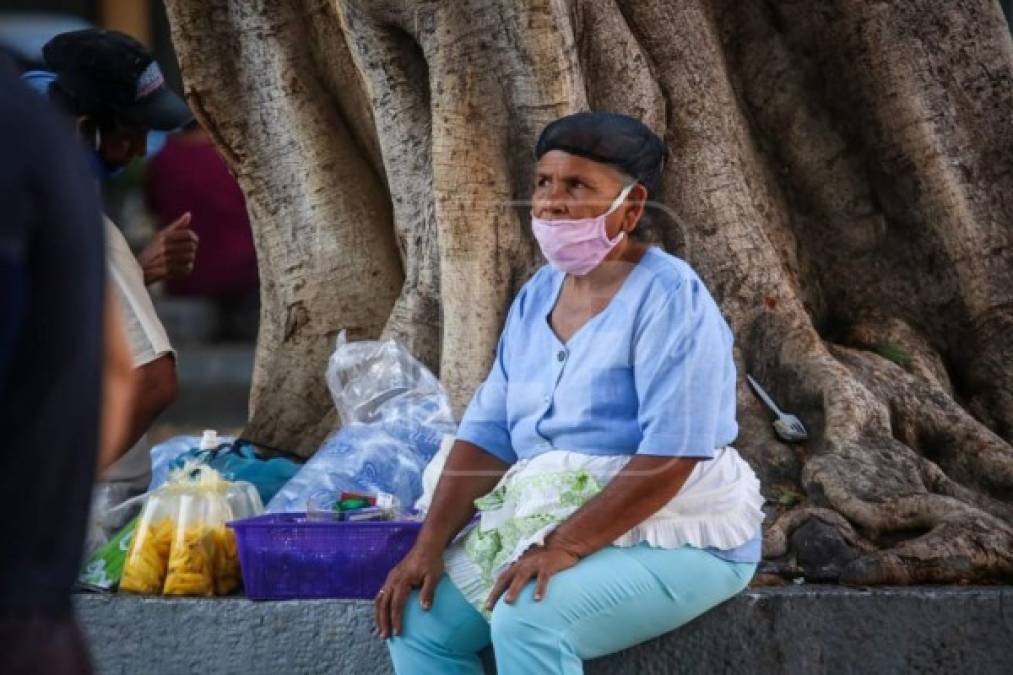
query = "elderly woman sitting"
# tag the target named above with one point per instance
(596, 451)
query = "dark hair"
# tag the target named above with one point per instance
(81, 106)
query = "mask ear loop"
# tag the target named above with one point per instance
(616, 203)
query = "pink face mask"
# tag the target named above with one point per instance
(577, 246)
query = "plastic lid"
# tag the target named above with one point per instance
(209, 441)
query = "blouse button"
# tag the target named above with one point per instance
(561, 356)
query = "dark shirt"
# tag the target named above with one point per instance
(52, 279)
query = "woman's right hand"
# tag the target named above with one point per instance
(469, 473)
(422, 567)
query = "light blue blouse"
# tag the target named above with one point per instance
(650, 374)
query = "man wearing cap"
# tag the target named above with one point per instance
(115, 92)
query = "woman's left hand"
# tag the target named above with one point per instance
(538, 563)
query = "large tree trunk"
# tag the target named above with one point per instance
(840, 174)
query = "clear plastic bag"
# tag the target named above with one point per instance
(394, 413)
(106, 516)
(181, 545)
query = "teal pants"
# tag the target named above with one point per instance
(611, 600)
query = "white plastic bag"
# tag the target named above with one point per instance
(394, 414)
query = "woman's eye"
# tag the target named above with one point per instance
(542, 182)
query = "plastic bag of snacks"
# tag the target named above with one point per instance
(181, 545)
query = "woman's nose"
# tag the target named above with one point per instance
(551, 202)
(549, 207)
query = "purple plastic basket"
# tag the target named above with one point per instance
(285, 556)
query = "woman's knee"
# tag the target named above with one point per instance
(509, 625)
(427, 625)
(523, 622)
(450, 624)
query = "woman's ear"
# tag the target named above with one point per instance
(637, 202)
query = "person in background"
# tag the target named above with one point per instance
(114, 91)
(189, 175)
(54, 333)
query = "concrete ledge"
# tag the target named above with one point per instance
(804, 629)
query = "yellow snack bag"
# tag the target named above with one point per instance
(147, 560)
(227, 573)
(181, 545)
(191, 566)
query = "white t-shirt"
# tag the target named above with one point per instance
(146, 339)
(145, 333)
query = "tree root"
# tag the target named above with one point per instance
(925, 418)
(775, 538)
(963, 547)
(893, 463)
(907, 503)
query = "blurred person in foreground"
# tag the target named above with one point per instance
(188, 175)
(56, 341)
(114, 91)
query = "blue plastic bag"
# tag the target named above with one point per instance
(394, 414)
(236, 461)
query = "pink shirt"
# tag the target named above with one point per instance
(189, 175)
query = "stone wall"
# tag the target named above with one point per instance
(802, 629)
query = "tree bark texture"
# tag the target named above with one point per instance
(840, 173)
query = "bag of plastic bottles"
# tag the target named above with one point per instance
(394, 414)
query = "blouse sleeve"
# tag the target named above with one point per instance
(684, 375)
(485, 421)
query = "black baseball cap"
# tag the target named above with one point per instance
(105, 72)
